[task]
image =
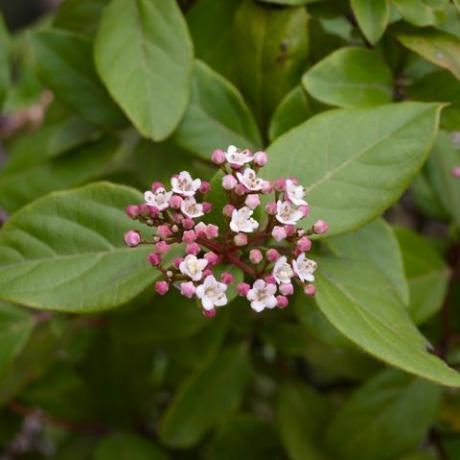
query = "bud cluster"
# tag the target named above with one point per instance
(264, 242)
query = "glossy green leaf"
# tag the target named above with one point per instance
(144, 56)
(372, 17)
(387, 416)
(440, 48)
(336, 156)
(127, 446)
(206, 398)
(69, 246)
(350, 77)
(217, 116)
(375, 243)
(360, 305)
(292, 110)
(427, 274)
(416, 12)
(65, 64)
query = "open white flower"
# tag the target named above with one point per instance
(295, 193)
(262, 296)
(184, 185)
(282, 271)
(160, 198)
(287, 214)
(193, 267)
(191, 208)
(304, 268)
(250, 180)
(212, 293)
(242, 220)
(238, 157)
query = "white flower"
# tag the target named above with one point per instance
(295, 193)
(283, 271)
(191, 208)
(262, 295)
(238, 157)
(250, 180)
(212, 293)
(242, 220)
(184, 185)
(193, 267)
(287, 214)
(160, 198)
(304, 268)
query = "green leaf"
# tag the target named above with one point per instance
(440, 48)
(292, 110)
(16, 324)
(415, 12)
(457, 4)
(375, 243)
(69, 245)
(206, 398)
(350, 77)
(65, 64)
(358, 302)
(144, 56)
(387, 416)
(372, 17)
(217, 116)
(5, 71)
(427, 274)
(127, 446)
(302, 415)
(355, 163)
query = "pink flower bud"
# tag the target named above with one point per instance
(178, 217)
(255, 256)
(209, 313)
(456, 172)
(132, 238)
(212, 231)
(304, 209)
(242, 289)
(144, 209)
(193, 249)
(207, 207)
(270, 279)
(177, 261)
(279, 233)
(200, 229)
(163, 231)
(205, 187)
(309, 290)
(304, 244)
(320, 227)
(267, 187)
(290, 229)
(270, 208)
(161, 287)
(240, 239)
(154, 259)
(260, 158)
(188, 223)
(282, 301)
(132, 211)
(212, 258)
(175, 201)
(207, 272)
(286, 289)
(226, 278)
(187, 289)
(228, 210)
(156, 186)
(279, 184)
(252, 201)
(218, 157)
(229, 182)
(153, 211)
(272, 255)
(189, 236)
(162, 247)
(240, 189)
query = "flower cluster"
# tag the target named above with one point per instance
(264, 242)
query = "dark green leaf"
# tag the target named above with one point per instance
(372, 17)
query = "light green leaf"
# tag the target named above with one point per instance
(292, 110)
(206, 398)
(144, 56)
(440, 48)
(357, 301)
(69, 246)
(416, 12)
(426, 272)
(457, 4)
(217, 116)
(372, 17)
(16, 324)
(355, 163)
(387, 416)
(65, 64)
(127, 446)
(350, 77)
(375, 243)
